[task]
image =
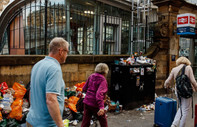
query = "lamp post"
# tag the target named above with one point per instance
(45, 35)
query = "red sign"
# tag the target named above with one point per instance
(182, 20)
(192, 20)
(186, 20)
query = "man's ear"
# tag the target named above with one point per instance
(60, 52)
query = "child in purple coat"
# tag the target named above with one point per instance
(96, 88)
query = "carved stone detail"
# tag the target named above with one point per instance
(164, 29)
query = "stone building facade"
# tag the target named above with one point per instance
(168, 42)
(166, 45)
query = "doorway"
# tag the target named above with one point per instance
(188, 48)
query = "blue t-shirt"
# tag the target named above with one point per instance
(46, 77)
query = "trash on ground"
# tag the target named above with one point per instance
(145, 108)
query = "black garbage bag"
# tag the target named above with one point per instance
(77, 116)
(26, 96)
(12, 123)
(69, 93)
(23, 120)
(67, 114)
(3, 123)
(79, 105)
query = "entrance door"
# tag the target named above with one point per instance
(188, 48)
(195, 59)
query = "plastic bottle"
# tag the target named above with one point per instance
(117, 106)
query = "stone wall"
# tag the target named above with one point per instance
(75, 70)
(72, 73)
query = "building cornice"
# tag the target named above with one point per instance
(176, 3)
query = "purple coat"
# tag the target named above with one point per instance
(96, 88)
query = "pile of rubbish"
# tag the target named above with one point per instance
(72, 95)
(13, 105)
(73, 111)
(145, 108)
(136, 59)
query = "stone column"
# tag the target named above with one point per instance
(167, 38)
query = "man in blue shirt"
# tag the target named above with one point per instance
(47, 87)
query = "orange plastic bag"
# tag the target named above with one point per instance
(73, 99)
(1, 117)
(72, 107)
(17, 102)
(79, 89)
(80, 85)
(19, 89)
(16, 113)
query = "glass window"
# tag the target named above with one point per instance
(57, 1)
(80, 39)
(4, 45)
(109, 33)
(81, 23)
(125, 37)
(184, 47)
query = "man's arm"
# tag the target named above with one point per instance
(53, 107)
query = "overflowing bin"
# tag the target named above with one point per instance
(132, 85)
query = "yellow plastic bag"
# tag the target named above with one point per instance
(66, 123)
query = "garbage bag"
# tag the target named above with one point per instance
(23, 119)
(26, 96)
(16, 113)
(69, 93)
(3, 123)
(67, 114)
(79, 105)
(72, 107)
(77, 116)
(1, 117)
(12, 123)
(66, 123)
(80, 85)
(3, 87)
(17, 102)
(73, 99)
(19, 89)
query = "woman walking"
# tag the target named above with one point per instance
(185, 103)
(96, 88)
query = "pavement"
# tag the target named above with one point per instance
(134, 118)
